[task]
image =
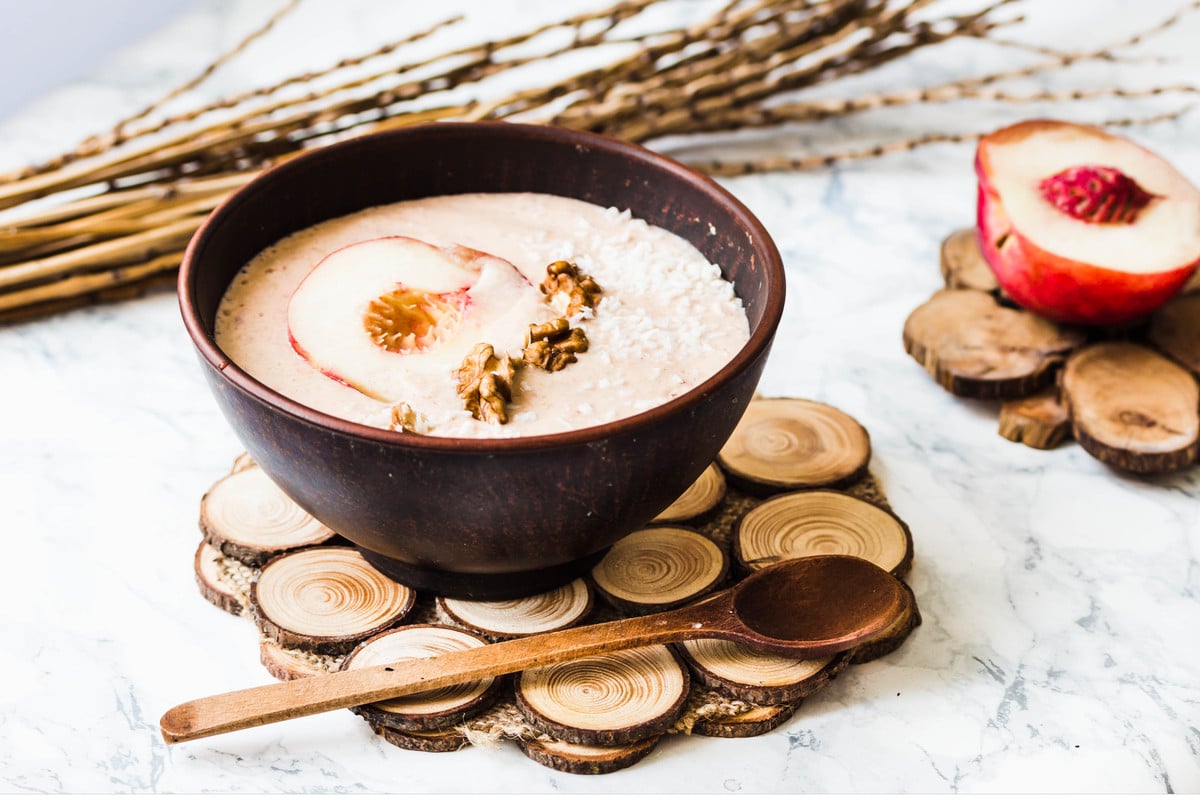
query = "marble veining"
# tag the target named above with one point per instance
(1061, 601)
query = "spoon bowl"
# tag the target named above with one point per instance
(804, 608)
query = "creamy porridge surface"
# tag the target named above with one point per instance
(666, 321)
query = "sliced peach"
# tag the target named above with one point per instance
(380, 313)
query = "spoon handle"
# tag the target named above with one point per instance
(261, 705)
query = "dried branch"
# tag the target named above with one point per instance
(744, 64)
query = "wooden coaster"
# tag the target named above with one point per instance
(326, 600)
(1126, 395)
(597, 725)
(786, 443)
(760, 678)
(217, 584)
(564, 607)
(443, 741)
(428, 711)
(246, 516)
(975, 347)
(1132, 407)
(699, 500)
(799, 524)
(582, 759)
(656, 569)
(753, 721)
(1039, 420)
(610, 699)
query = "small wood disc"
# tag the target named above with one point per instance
(822, 521)
(427, 711)
(1175, 330)
(1037, 421)
(745, 724)
(974, 347)
(756, 677)
(326, 600)
(612, 699)
(444, 741)
(216, 585)
(786, 443)
(507, 619)
(243, 462)
(891, 637)
(288, 665)
(963, 264)
(582, 759)
(698, 500)
(1132, 407)
(658, 568)
(247, 517)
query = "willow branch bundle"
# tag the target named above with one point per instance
(115, 212)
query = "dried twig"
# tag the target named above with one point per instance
(745, 64)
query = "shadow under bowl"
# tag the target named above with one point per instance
(482, 518)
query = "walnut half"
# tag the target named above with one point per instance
(552, 345)
(580, 290)
(485, 384)
(404, 418)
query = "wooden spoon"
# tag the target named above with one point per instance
(806, 608)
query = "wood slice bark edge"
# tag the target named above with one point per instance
(641, 693)
(746, 724)
(577, 759)
(1132, 407)
(759, 678)
(975, 347)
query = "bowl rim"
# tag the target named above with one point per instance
(760, 338)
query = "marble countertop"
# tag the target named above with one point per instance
(1061, 600)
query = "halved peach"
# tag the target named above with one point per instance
(1083, 226)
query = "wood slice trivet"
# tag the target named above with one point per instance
(659, 568)
(698, 500)
(707, 711)
(326, 600)
(246, 516)
(1132, 407)
(975, 347)
(1039, 421)
(787, 443)
(611, 699)
(820, 521)
(1175, 330)
(554, 610)
(760, 678)
(582, 759)
(428, 711)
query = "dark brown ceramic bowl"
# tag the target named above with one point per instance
(500, 518)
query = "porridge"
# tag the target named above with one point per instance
(411, 315)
